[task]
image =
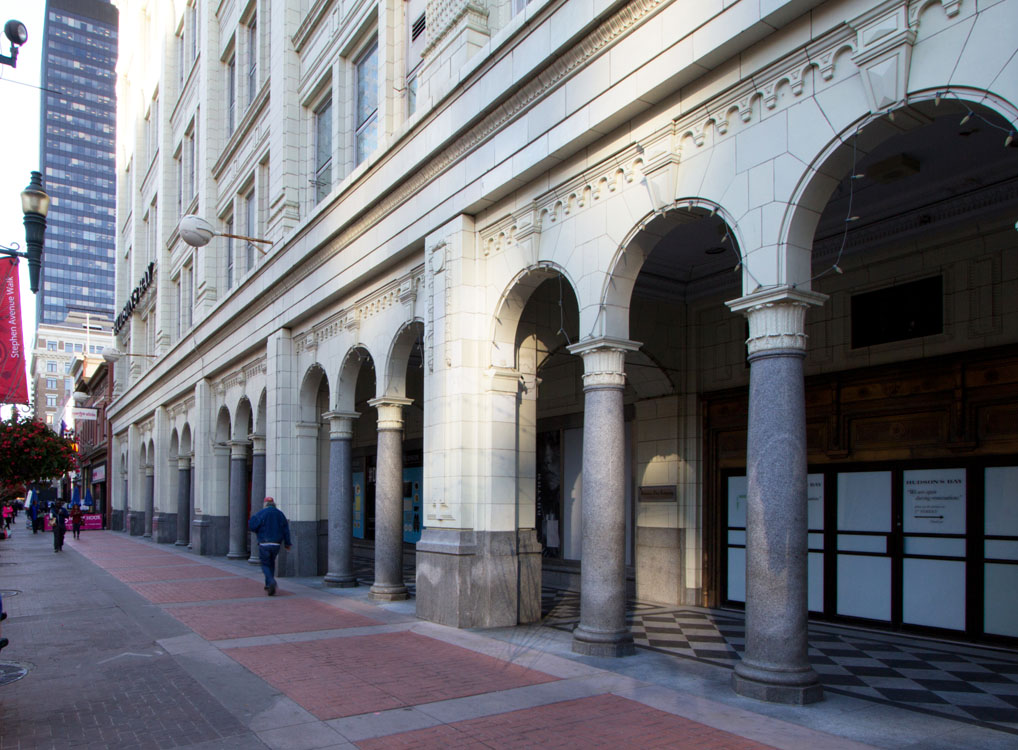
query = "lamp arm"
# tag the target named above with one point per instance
(13, 251)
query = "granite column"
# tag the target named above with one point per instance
(775, 666)
(183, 501)
(603, 630)
(388, 585)
(238, 500)
(340, 546)
(257, 487)
(150, 498)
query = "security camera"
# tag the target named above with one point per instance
(16, 32)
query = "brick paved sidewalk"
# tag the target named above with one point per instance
(133, 645)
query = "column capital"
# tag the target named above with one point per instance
(341, 424)
(390, 411)
(257, 443)
(777, 318)
(183, 463)
(238, 448)
(604, 360)
(150, 470)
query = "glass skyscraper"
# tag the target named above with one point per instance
(77, 153)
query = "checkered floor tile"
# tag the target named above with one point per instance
(978, 686)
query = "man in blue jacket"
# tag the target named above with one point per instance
(273, 530)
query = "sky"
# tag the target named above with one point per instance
(19, 136)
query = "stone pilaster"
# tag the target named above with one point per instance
(602, 630)
(775, 666)
(183, 501)
(340, 542)
(257, 487)
(238, 500)
(388, 585)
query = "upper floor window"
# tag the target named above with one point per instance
(416, 38)
(229, 253)
(51, 346)
(366, 109)
(51, 366)
(187, 308)
(51, 401)
(252, 60)
(323, 150)
(249, 228)
(192, 23)
(51, 383)
(231, 94)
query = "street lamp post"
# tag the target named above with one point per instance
(35, 206)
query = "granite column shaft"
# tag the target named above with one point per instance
(183, 501)
(775, 666)
(257, 488)
(340, 540)
(150, 498)
(388, 585)
(603, 630)
(238, 500)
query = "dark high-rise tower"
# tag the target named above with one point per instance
(77, 153)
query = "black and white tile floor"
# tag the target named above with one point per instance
(965, 683)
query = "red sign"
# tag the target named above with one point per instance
(89, 521)
(13, 382)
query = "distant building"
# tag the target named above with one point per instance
(76, 144)
(56, 349)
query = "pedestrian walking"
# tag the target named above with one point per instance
(77, 518)
(3, 616)
(33, 516)
(273, 530)
(8, 513)
(59, 520)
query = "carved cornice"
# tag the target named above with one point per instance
(398, 291)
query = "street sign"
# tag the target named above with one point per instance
(84, 413)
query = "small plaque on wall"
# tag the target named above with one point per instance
(663, 493)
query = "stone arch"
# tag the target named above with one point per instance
(223, 425)
(242, 420)
(346, 381)
(309, 387)
(505, 324)
(633, 251)
(174, 443)
(185, 440)
(409, 336)
(261, 413)
(850, 144)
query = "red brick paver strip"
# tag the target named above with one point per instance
(268, 617)
(602, 721)
(336, 677)
(234, 587)
(168, 573)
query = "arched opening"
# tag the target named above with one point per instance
(909, 222)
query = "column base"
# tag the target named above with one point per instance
(302, 560)
(337, 581)
(135, 522)
(117, 520)
(165, 528)
(210, 535)
(609, 645)
(181, 543)
(797, 688)
(385, 593)
(479, 579)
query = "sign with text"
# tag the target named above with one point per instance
(13, 381)
(934, 501)
(84, 413)
(89, 522)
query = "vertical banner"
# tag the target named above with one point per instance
(13, 382)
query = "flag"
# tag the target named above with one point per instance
(13, 382)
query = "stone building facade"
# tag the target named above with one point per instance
(618, 295)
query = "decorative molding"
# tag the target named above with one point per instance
(445, 15)
(390, 411)
(604, 361)
(777, 318)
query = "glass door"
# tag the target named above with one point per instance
(864, 545)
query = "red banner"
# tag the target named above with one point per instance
(13, 382)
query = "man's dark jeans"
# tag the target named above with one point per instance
(267, 554)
